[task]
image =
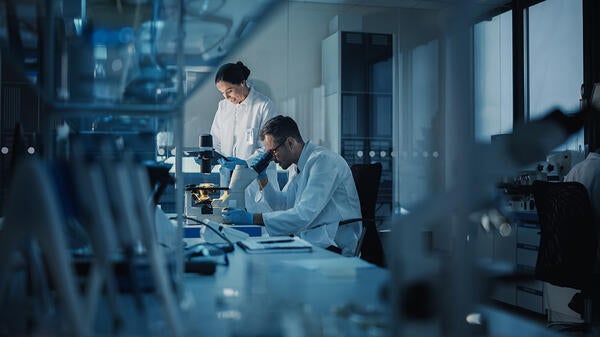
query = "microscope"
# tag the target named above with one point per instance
(199, 200)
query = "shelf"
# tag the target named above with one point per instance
(77, 109)
(514, 189)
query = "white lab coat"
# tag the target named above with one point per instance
(235, 131)
(315, 200)
(587, 173)
(236, 127)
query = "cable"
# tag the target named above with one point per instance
(201, 250)
(228, 248)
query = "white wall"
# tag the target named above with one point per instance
(284, 55)
(285, 58)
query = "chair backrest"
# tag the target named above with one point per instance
(567, 251)
(367, 178)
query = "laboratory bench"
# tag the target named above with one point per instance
(260, 294)
(316, 293)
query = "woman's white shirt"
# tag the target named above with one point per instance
(236, 127)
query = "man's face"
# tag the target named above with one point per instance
(281, 152)
(235, 93)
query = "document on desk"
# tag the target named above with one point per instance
(275, 244)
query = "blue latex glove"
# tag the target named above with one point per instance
(237, 216)
(261, 157)
(231, 162)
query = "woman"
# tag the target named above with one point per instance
(238, 121)
(240, 115)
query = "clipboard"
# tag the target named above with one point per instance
(275, 244)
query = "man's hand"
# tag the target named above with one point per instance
(231, 162)
(237, 217)
(261, 157)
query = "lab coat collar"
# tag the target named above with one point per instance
(594, 155)
(306, 151)
(250, 98)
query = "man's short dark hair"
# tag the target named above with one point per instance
(280, 127)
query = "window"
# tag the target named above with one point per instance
(493, 97)
(556, 60)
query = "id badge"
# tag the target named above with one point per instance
(250, 136)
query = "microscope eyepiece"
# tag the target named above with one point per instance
(206, 153)
(262, 162)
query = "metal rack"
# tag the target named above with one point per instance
(125, 62)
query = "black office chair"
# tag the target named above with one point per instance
(367, 178)
(567, 251)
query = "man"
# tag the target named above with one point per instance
(319, 194)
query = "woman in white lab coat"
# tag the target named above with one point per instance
(237, 124)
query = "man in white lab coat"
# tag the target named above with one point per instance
(319, 194)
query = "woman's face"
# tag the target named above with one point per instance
(235, 93)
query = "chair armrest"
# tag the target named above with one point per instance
(349, 221)
(365, 221)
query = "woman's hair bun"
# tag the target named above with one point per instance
(245, 71)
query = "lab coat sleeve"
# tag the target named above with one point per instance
(276, 199)
(255, 200)
(321, 182)
(268, 112)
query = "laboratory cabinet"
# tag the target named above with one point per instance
(357, 74)
(519, 248)
(529, 293)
